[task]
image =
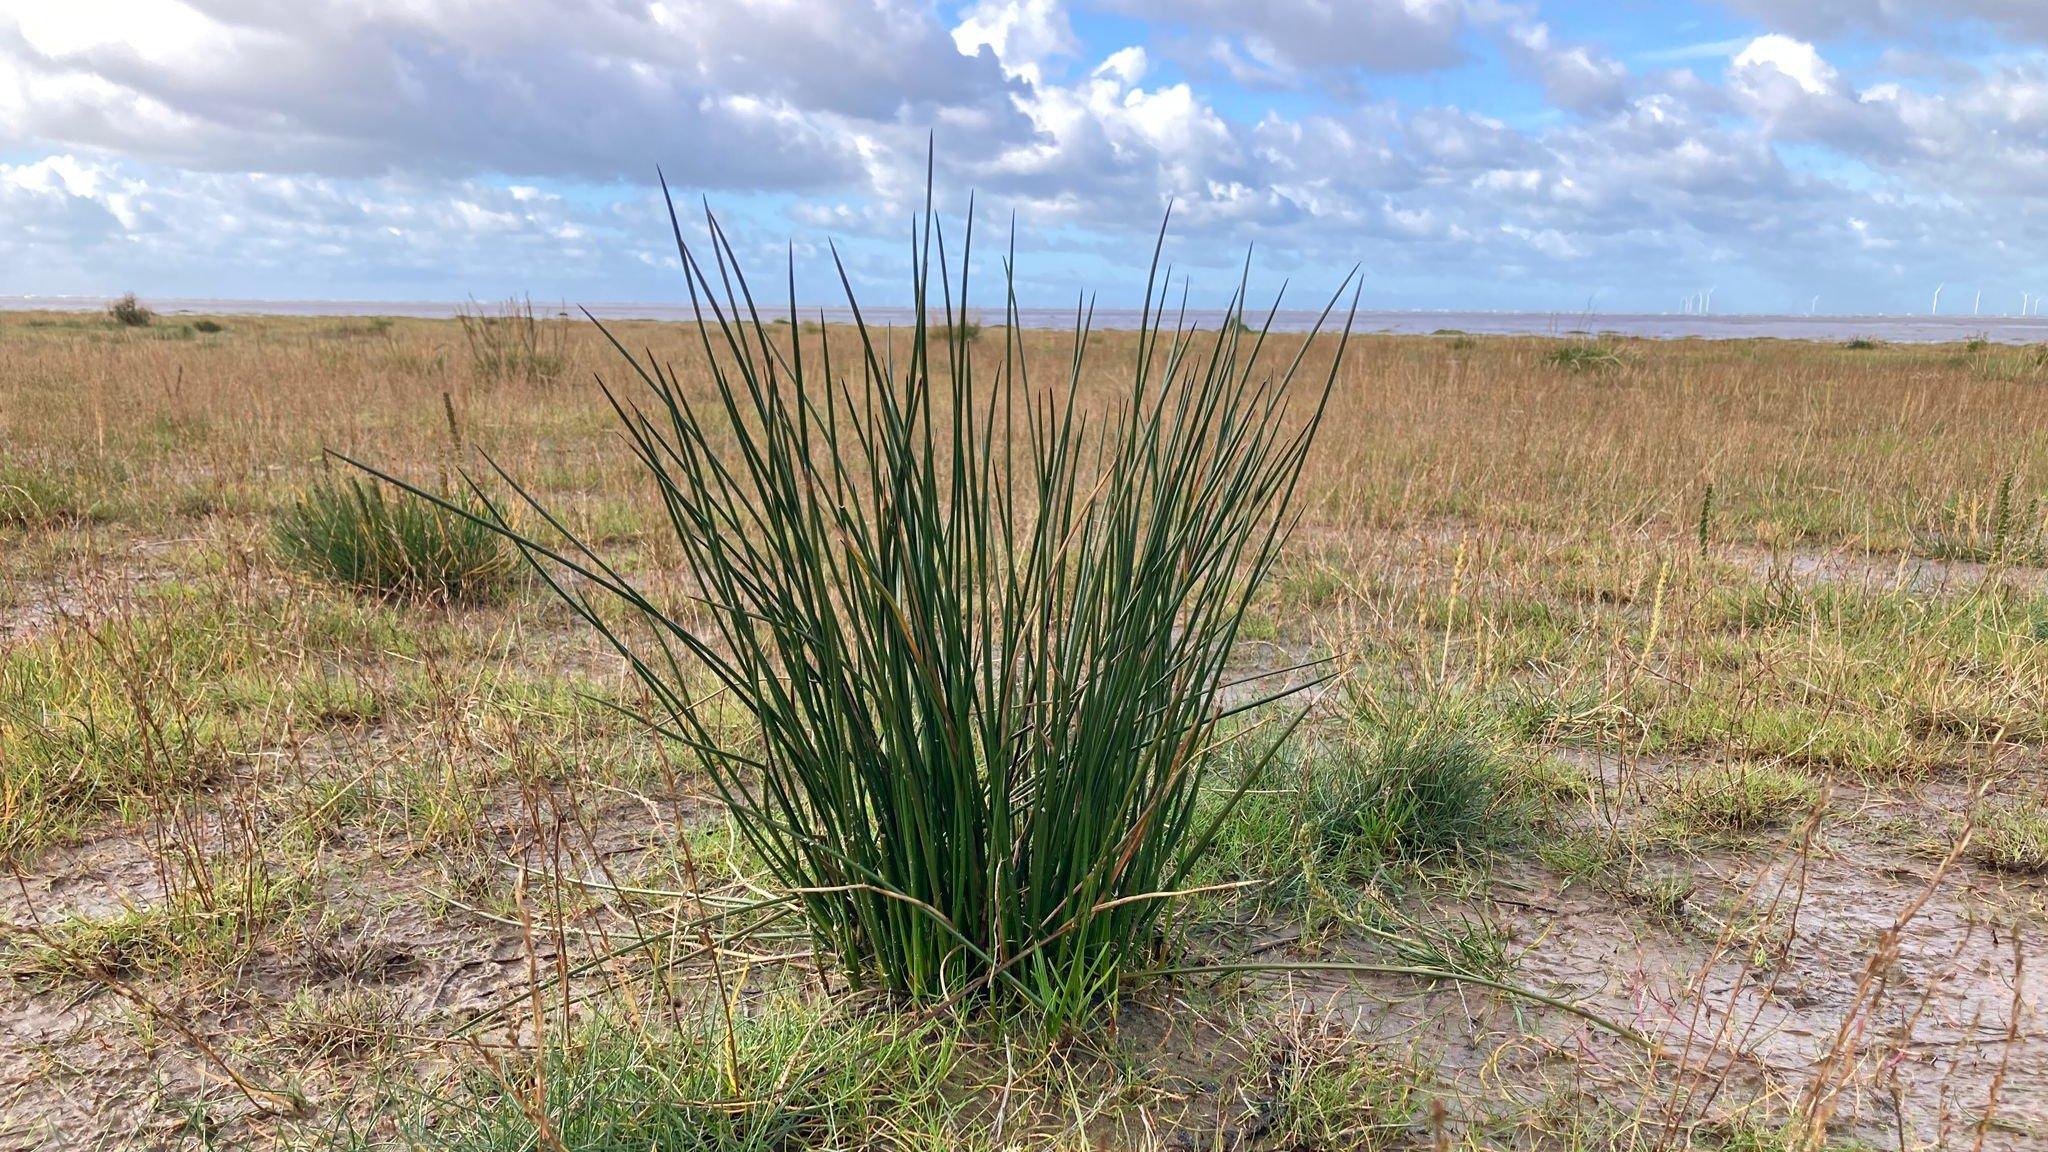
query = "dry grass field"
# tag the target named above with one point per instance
(1716, 672)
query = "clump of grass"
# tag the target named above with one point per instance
(212, 916)
(208, 326)
(961, 330)
(2012, 836)
(1863, 344)
(1582, 356)
(129, 312)
(31, 498)
(351, 533)
(1421, 791)
(2006, 529)
(513, 342)
(985, 677)
(784, 1074)
(1741, 799)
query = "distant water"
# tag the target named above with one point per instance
(1655, 326)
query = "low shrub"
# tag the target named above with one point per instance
(130, 313)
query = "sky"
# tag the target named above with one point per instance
(1836, 156)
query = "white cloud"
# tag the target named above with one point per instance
(726, 92)
(437, 147)
(1792, 59)
(1023, 34)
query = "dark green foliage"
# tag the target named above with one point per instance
(1863, 344)
(207, 326)
(353, 534)
(981, 630)
(130, 313)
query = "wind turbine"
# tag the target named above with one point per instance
(1709, 304)
(1977, 304)
(2026, 302)
(1935, 309)
(1812, 304)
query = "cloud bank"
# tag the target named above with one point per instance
(1467, 152)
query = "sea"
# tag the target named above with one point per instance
(1900, 329)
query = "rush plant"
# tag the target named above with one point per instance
(982, 621)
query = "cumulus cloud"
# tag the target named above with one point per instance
(729, 93)
(442, 147)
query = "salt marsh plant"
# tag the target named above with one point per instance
(513, 342)
(129, 312)
(983, 625)
(351, 533)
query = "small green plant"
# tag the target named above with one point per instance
(2012, 836)
(1422, 790)
(1582, 356)
(514, 342)
(1741, 799)
(37, 499)
(353, 534)
(130, 313)
(1706, 517)
(986, 679)
(1863, 344)
(207, 326)
(783, 1075)
(2007, 529)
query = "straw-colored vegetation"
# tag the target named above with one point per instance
(305, 861)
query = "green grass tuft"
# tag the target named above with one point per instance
(1741, 799)
(786, 1075)
(2012, 836)
(351, 533)
(1582, 356)
(1421, 791)
(513, 342)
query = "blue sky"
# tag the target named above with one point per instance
(1844, 155)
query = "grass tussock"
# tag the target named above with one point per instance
(2012, 836)
(782, 1074)
(983, 653)
(513, 342)
(1741, 799)
(2008, 527)
(351, 533)
(1583, 356)
(34, 498)
(1421, 790)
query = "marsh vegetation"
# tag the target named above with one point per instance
(332, 825)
